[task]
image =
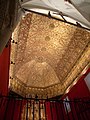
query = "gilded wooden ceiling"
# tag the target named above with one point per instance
(49, 55)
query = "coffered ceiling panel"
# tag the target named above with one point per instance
(46, 53)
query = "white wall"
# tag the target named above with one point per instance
(87, 80)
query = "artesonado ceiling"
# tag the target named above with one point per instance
(48, 57)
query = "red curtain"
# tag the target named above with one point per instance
(79, 90)
(4, 70)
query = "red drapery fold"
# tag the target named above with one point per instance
(4, 70)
